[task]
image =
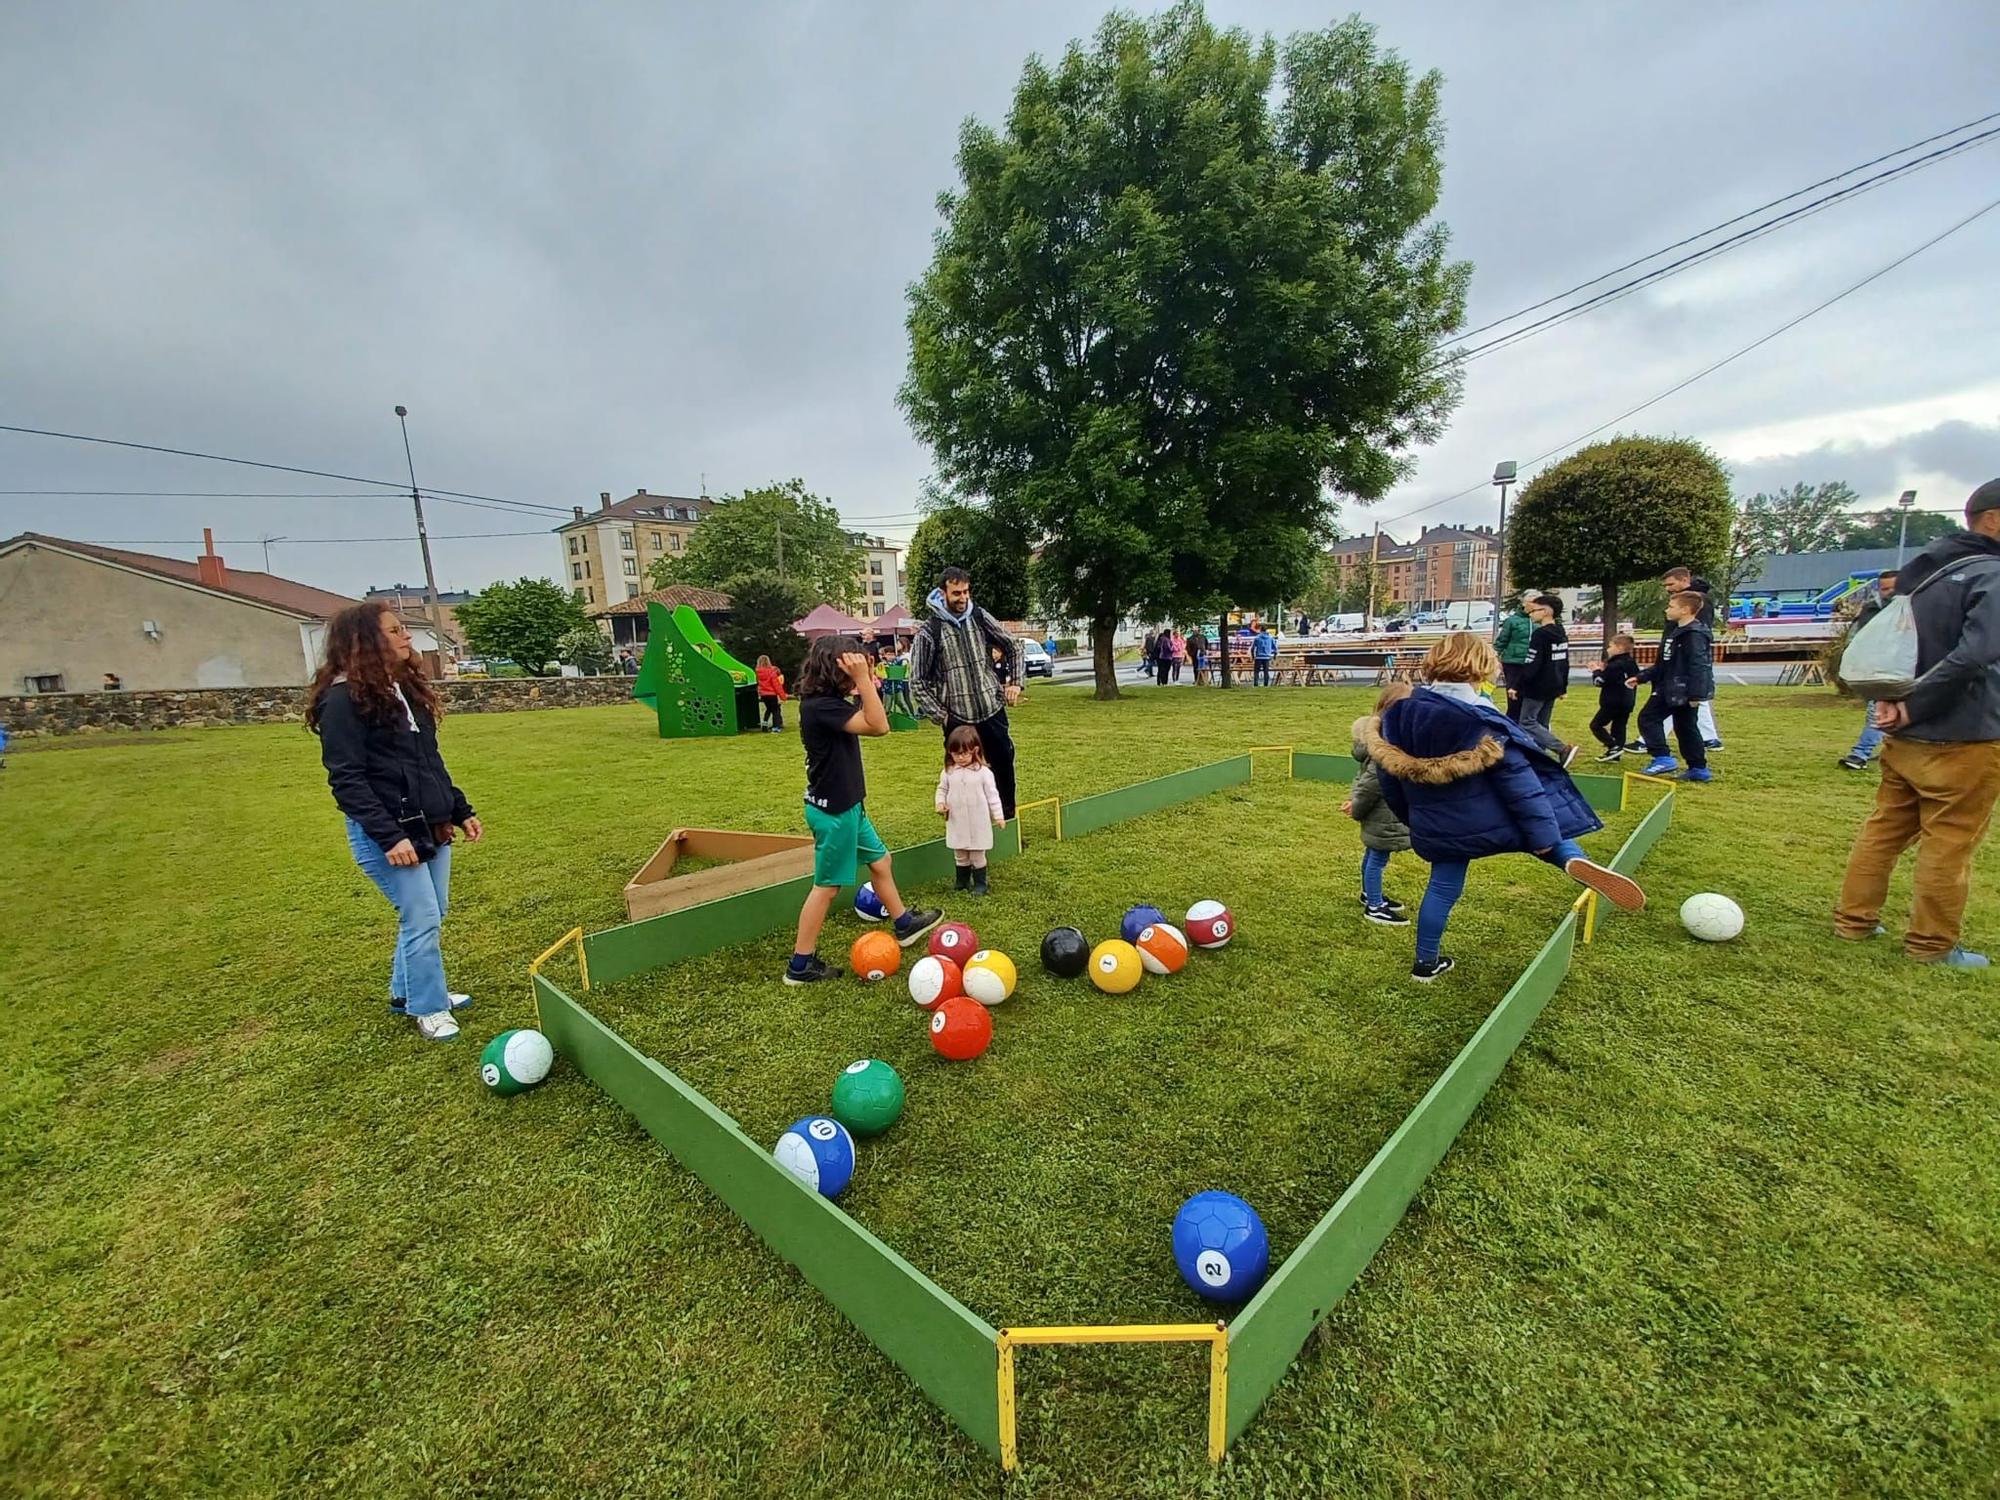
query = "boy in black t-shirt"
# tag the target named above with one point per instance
(837, 671)
(1545, 675)
(1615, 697)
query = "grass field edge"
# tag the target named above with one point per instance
(945, 1348)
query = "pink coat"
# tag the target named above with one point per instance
(970, 800)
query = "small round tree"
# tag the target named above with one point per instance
(1617, 511)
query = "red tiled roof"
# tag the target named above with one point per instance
(300, 599)
(701, 600)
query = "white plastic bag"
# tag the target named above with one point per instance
(1881, 661)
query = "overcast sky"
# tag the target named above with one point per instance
(605, 246)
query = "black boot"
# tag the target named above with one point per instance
(965, 877)
(979, 882)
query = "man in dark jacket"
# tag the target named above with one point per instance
(955, 678)
(1871, 738)
(1941, 764)
(1680, 580)
(1682, 678)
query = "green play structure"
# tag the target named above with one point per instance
(695, 687)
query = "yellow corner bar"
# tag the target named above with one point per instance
(1274, 749)
(1055, 802)
(1215, 1335)
(574, 935)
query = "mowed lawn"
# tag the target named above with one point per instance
(1728, 1224)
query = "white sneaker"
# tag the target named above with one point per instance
(437, 1028)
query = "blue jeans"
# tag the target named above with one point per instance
(1260, 672)
(1373, 863)
(1448, 884)
(420, 894)
(1871, 737)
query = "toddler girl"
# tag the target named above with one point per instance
(969, 799)
(1381, 834)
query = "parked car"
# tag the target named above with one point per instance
(1036, 660)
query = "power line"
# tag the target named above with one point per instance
(286, 541)
(1727, 359)
(207, 494)
(1726, 223)
(1710, 252)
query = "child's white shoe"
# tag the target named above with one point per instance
(439, 1027)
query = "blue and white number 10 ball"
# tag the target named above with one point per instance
(1712, 918)
(1220, 1246)
(820, 1153)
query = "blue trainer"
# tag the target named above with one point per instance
(1664, 765)
(1962, 958)
(1696, 773)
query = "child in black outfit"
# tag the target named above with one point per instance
(1615, 697)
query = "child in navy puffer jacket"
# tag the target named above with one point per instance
(1470, 783)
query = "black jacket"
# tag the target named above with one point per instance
(381, 771)
(1957, 692)
(1611, 678)
(1545, 674)
(1706, 589)
(1685, 672)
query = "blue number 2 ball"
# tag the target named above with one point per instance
(1137, 920)
(820, 1153)
(867, 905)
(1220, 1246)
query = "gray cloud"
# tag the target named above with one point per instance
(1966, 454)
(628, 244)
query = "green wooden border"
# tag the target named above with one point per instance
(635, 947)
(1088, 814)
(933, 1338)
(1639, 842)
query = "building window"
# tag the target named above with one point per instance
(577, 594)
(876, 590)
(48, 683)
(631, 591)
(875, 567)
(675, 539)
(631, 567)
(625, 541)
(575, 571)
(572, 546)
(590, 596)
(586, 567)
(656, 541)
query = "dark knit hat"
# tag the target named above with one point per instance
(1986, 497)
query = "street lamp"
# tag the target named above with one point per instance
(1906, 500)
(423, 540)
(1503, 476)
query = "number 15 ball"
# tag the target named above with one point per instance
(1209, 924)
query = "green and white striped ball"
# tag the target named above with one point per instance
(515, 1060)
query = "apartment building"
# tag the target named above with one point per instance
(881, 575)
(606, 552)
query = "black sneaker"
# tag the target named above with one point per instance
(1389, 901)
(1384, 915)
(912, 925)
(1612, 754)
(1853, 763)
(815, 970)
(965, 877)
(1424, 972)
(979, 887)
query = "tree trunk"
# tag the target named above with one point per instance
(1609, 604)
(1222, 644)
(1101, 633)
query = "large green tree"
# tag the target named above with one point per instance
(1799, 518)
(1621, 510)
(784, 528)
(523, 621)
(1883, 528)
(992, 549)
(762, 607)
(1190, 290)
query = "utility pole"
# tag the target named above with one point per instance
(1503, 475)
(1904, 502)
(1374, 565)
(780, 528)
(267, 550)
(423, 536)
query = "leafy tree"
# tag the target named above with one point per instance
(1620, 510)
(762, 607)
(783, 528)
(1802, 518)
(585, 648)
(522, 621)
(1191, 289)
(1645, 604)
(991, 549)
(1881, 528)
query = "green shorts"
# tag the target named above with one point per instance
(841, 841)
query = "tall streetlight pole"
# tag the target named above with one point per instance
(423, 536)
(1503, 476)
(1906, 500)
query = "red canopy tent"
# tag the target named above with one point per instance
(824, 619)
(898, 621)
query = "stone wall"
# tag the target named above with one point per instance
(125, 712)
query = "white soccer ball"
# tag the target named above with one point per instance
(1712, 918)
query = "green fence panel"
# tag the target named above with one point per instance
(1639, 842)
(1604, 793)
(933, 1338)
(635, 947)
(1088, 814)
(1268, 1334)
(1310, 765)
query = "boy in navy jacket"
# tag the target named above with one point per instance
(1615, 697)
(1683, 679)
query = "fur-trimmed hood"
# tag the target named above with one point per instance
(1456, 742)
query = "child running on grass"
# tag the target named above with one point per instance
(1615, 697)
(1381, 834)
(836, 673)
(1468, 783)
(771, 694)
(968, 798)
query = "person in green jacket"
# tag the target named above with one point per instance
(1511, 643)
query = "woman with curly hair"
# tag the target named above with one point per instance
(376, 716)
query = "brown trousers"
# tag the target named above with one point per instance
(1938, 795)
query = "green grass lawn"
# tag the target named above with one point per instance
(1728, 1224)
